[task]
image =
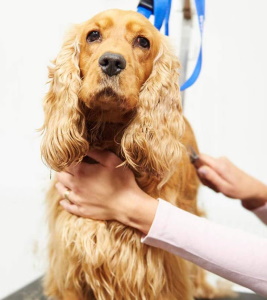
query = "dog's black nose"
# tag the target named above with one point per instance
(112, 63)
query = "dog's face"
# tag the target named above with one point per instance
(118, 49)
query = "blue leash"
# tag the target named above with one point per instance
(200, 5)
(161, 10)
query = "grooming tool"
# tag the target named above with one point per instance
(192, 154)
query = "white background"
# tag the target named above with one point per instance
(226, 107)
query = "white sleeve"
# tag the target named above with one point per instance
(229, 253)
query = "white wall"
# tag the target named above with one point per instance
(226, 108)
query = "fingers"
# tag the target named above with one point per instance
(65, 179)
(207, 160)
(212, 179)
(220, 165)
(62, 189)
(70, 207)
(105, 158)
(95, 159)
(68, 204)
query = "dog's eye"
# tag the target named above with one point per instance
(142, 42)
(93, 36)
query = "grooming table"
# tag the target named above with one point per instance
(33, 291)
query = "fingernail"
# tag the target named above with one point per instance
(202, 171)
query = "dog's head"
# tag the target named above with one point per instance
(117, 53)
(116, 68)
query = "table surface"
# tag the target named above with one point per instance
(33, 291)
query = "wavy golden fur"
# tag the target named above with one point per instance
(137, 114)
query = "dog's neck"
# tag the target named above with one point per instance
(105, 136)
(105, 130)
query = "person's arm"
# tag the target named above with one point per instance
(103, 191)
(232, 254)
(223, 176)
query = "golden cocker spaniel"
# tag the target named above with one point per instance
(114, 85)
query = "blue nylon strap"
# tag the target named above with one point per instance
(168, 17)
(200, 6)
(161, 10)
(144, 11)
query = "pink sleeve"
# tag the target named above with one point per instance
(261, 213)
(229, 253)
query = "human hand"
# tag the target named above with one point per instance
(105, 191)
(223, 176)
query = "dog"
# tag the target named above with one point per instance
(114, 86)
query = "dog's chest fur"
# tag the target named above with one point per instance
(105, 136)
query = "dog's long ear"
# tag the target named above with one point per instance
(64, 129)
(152, 141)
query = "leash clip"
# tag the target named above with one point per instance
(148, 4)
